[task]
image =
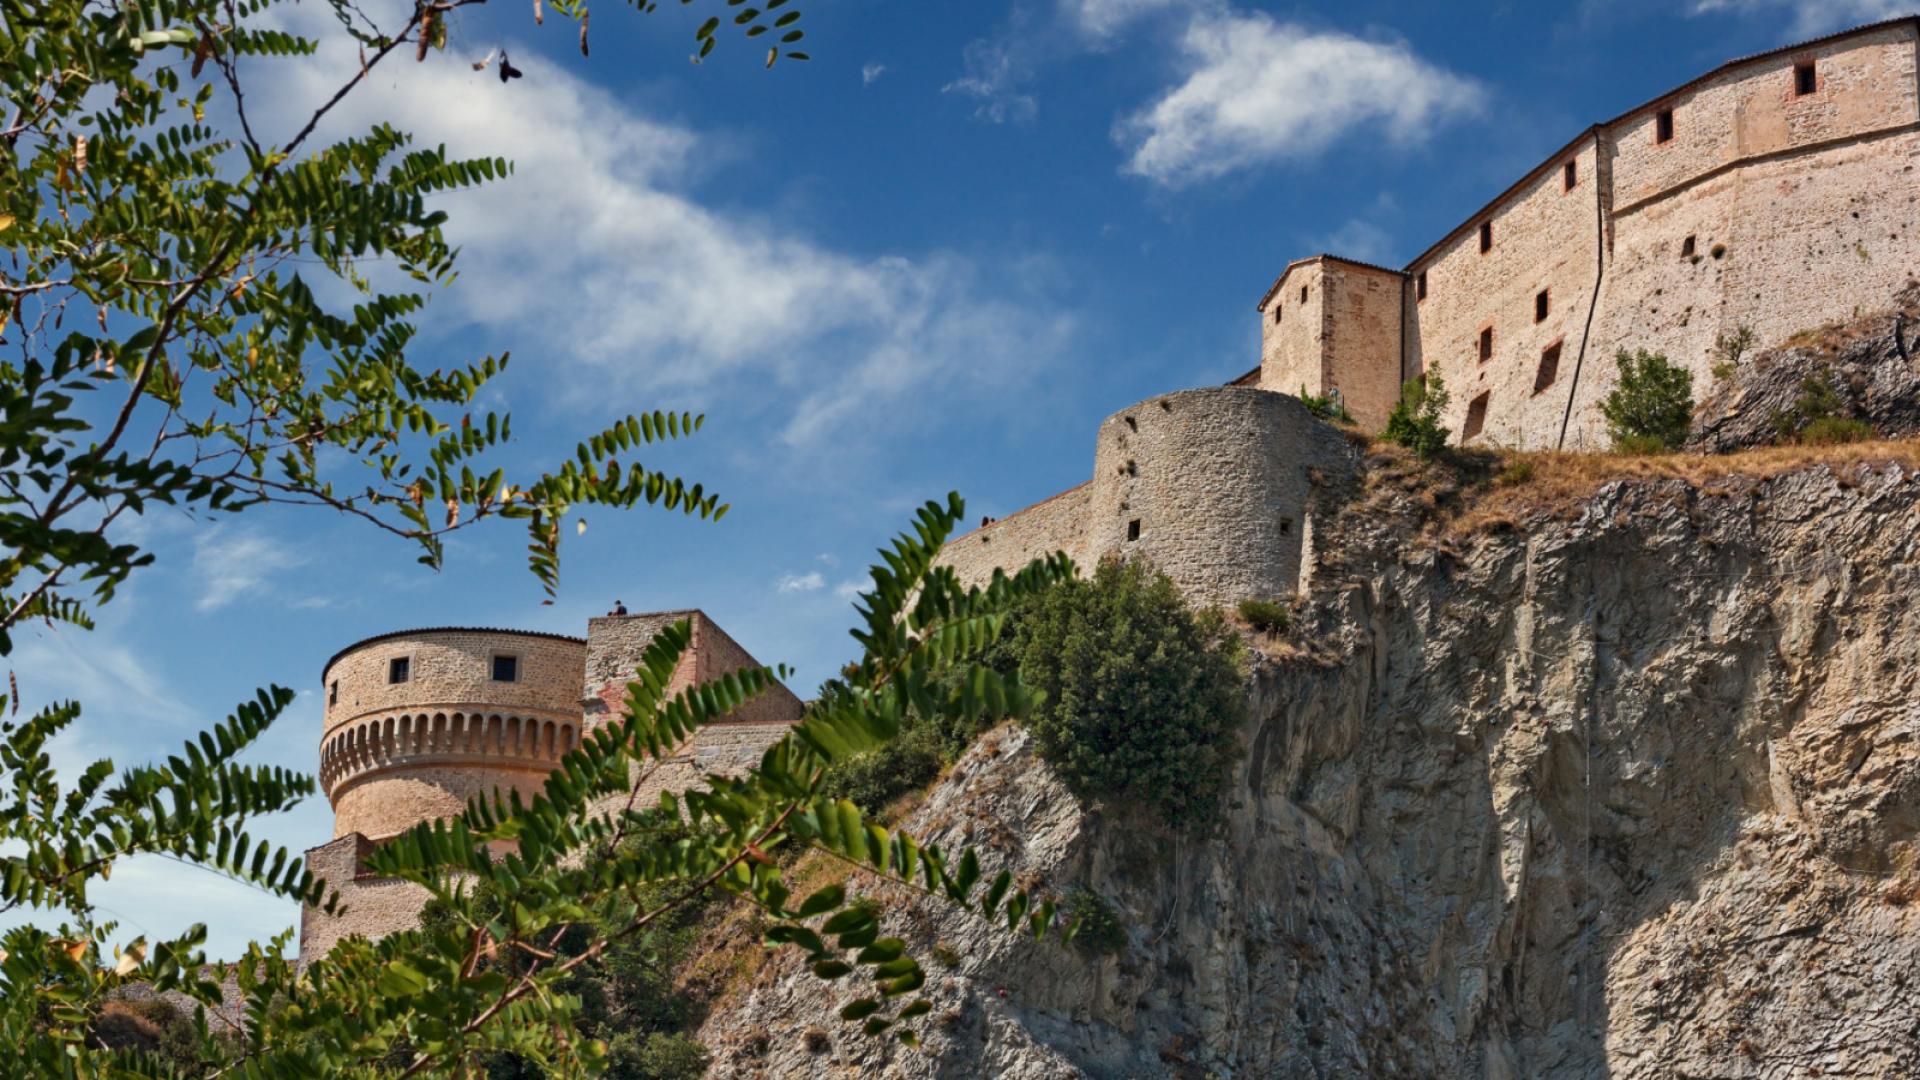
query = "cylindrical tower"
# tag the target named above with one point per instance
(419, 721)
(1213, 487)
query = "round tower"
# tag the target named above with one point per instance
(418, 722)
(1214, 487)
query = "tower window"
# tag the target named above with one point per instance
(1804, 79)
(1540, 303)
(399, 669)
(1276, 311)
(1133, 530)
(1486, 237)
(1549, 367)
(1420, 286)
(1303, 294)
(506, 668)
(1476, 416)
(1687, 248)
(1570, 174)
(333, 693)
(1486, 344)
(1663, 126)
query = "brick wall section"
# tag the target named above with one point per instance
(1363, 308)
(614, 646)
(1803, 210)
(1055, 524)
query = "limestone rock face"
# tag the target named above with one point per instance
(1633, 794)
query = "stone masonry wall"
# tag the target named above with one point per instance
(373, 907)
(1012, 542)
(1293, 331)
(1213, 487)
(1362, 338)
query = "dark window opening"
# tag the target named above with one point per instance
(1687, 248)
(1571, 174)
(1804, 79)
(1303, 294)
(506, 669)
(1549, 367)
(1276, 312)
(1476, 416)
(399, 669)
(1133, 530)
(1420, 286)
(1663, 126)
(333, 693)
(1540, 306)
(1486, 236)
(1486, 344)
(1132, 424)
(1286, 526)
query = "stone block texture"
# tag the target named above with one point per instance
(1214, 487)
(1776, 193)
(419, 722)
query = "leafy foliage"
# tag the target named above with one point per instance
(1817, 418)
(1728, 347)
(1650, 408)
(1142, 695)
(1265, 616)
(1327, 406)
(1100, 931)
(1415, 421)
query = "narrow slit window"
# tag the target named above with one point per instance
(1549, 367)
(1687, 248)
(1476, 416)
(506, 668)
(1286, 526)
(1133, 530)
(1303, 294)
(399, 669)
(1805, 80)
(1571, 174)
(1540, 306)
(1663, 126)
(1420, 286)
(333, 693)
(1486, 237)
(1276, 311)
(1486, 344)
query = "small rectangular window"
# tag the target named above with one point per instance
(1276, 311)
(506, 668)
(1486, 344)
(1133, 530)
(333, 693)
(1476, 416)
(1303, 294)
(399, 669)
(1549, 367)
(1540, 303)
(1571, 174)
(1804, 79)
(1420, 286)
(1663, 126)
(1687, 248)
(1486, 236)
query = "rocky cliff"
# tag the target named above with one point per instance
(1624, 786)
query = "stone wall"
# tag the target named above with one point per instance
(1051, 525)
(1293, 331)
(1362, 338)
(372, 907)
(1213, 487)
(616, 642)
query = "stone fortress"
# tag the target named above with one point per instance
(1775, 193)
(419, 721)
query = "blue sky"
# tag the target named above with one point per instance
(932, 259)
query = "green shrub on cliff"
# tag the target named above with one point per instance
(1650, 409)
(1415, 422)
(1142, 693)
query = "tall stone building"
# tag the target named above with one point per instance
(417, 722)
(1774, 193)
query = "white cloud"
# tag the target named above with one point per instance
(234, 563)
(851, 590)
(812, 581)
(1101, 20)
(597, 251)
(1259, 91)
(1811, 17)
(996, 69)
(870, 73)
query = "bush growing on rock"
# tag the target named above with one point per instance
(1142, 693)
(1651, 408)
(1099, 930)
(1415, 422)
